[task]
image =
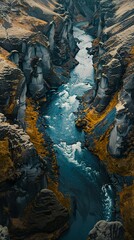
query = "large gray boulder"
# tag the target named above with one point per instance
(4, 235)
(107, 231)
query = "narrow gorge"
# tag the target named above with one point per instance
(66, 120)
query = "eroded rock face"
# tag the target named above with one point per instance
(45, 215)
(22, 171)
(124, 120)
(107, 230)
(113, 62)
(11, 85)
(80, 10)
(35, 38)
(4, 235)
(45, 203)
(109, 120)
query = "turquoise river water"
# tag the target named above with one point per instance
(81, 175)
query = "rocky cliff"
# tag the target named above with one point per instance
(37, 51)
(107, 111)
(36, 40)
(80, 9)
(107, 230)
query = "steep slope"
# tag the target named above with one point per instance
(37, 51)
(108, 109)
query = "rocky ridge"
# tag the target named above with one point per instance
(107, 111)
(113, 61)
(107, 230)
(36, 40)
(37, 51)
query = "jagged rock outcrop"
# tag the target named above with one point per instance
(45, 218)
(12, 89)
(4, 235)
(36, 43)
(121, 137)
(127, 210)
(37, 51)
(113, 57)
(37, 36)
(22, 177)
(113, 63)
(79, 9)
(22, 171)
(107, 230)
(107, 112)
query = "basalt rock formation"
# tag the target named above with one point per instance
(107, 230)
(37, 50)
(113, 62)
(22, 177)
(107, 111)
(42, 219)
(4, 234)
(80, 9)
(37, 38)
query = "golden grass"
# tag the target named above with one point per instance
(96, 42)
(130, 59)
(65, 201)
(11, 106)
(93, 118)
(132, 51)
(35, 136)
(5, 159)
(123, 166)
(38, 140)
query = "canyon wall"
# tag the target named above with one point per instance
(37, 51)
(80, 9)
(107, 111)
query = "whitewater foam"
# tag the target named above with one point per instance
(107, 200)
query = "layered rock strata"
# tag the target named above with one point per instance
(22, 171)
(113, 62)
(36, 36)
(4, 234)
(107, 112)
(37, 51)
(42, 219)
(80, 10)
(107, 230)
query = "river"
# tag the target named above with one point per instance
(81, 175)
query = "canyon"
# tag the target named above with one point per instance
(41, 57)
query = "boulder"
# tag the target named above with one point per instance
(107, 230)
(4, 234)
(45, 217)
